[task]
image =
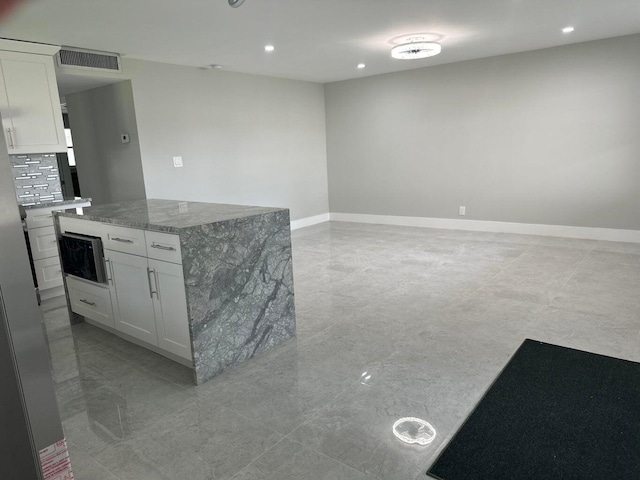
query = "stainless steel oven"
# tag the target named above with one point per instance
(82, 257)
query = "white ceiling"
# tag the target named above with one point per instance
(317, 40)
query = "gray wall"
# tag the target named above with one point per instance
(108, 170)
(549, 136)
(244, 139)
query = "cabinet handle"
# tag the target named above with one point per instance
(155, 282)
(109, 270)
(93, 304)
(163, 247)
(122, 240)
(10, 133)
(151, 290)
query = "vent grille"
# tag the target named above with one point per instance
(84, 59)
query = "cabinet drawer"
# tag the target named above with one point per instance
(163, 246)
(48, 273)
(91, 301)
(123, 239)
(44, 243)
(40, 217)
(81, 226)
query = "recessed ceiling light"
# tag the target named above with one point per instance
(361, 65)
(269, 48)
(568, 29)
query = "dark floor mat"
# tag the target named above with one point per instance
(553, 413)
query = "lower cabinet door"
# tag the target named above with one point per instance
(170, 305)
(132, 283)
(90, 300)
(48, 272)
(43, 243)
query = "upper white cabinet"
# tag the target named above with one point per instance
(30, 103)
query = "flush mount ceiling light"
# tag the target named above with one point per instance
(235, 3)
(416, 48)
(269, 48)
(568, 29)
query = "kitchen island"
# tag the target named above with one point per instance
(208, 285)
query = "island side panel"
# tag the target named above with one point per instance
(239, 285)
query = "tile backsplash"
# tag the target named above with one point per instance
(36, 178)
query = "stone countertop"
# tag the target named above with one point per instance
(167, 215)
(59, 203)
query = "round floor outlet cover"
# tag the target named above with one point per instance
(414, 431)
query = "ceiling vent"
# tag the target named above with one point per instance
(88, 60)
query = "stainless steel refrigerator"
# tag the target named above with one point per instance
(30, 429)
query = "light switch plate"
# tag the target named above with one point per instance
(125, 138)
(177, 162)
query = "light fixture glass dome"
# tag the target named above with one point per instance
(415, 50)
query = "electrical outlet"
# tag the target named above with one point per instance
(177, 162)
(462, 211)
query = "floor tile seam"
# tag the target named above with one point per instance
(306, 339)
(137, 367)
(100, 465)
(93, 343)
(104, 466)
(575, 269)
(314, 412)
(503, 268)
(258, 457)
(314, 415)
(249, 419)
(138, 436)
(335, 459)
(170, 379)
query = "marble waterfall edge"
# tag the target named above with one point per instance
(239, 286)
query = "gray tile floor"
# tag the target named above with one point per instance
(392, 322)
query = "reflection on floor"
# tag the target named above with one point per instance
(392, 322)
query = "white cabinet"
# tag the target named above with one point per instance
(43, 242)
(30, 104)
(41, 217)
(91, 300)
(48, 273)
(163, 246)
(44, 250)
(124, 239)
(170, 307)
(150, 301)
(131, 278)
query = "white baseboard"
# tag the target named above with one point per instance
(610, 234)
(308, 221)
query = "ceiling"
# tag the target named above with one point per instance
(316, 40)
